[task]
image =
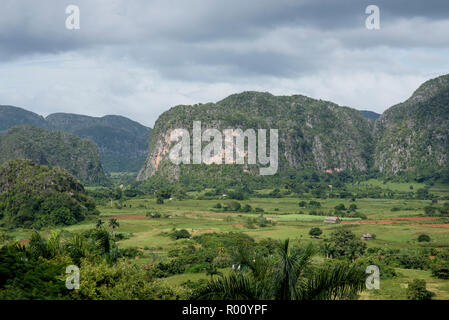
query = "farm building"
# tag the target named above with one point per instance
(366, 236)
(332, 220)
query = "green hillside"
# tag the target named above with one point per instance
(35, 196)
(55, 148)
(313, 134)
(122, 143)
(413, 136)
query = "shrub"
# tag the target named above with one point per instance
(180, 234)
(430, 211)
(314, 204)
(440, 268)
(153, 215)
(424, 238)
(417, 291)
(234, 206)
(315, 232)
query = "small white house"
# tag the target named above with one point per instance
(331, 220)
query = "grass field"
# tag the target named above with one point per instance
(198, 216)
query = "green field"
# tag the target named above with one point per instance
(149, 235)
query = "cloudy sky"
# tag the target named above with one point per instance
(139, 58)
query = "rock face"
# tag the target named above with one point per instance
(122, 143)
(414, 135)
(411, 137)
(313, 134)
(54, 148)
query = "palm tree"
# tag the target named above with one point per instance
(113, 223)
(99, 224)
(282, 278)
(212, 270)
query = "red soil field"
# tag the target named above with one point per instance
(436, 225)
(371, 222)
(125, 217)
(415, 218)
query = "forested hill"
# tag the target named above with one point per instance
(313, 134)
(55, 148)
(413, 136)
(123, 143)
(12, 116)
(370, 114)
(35, 196)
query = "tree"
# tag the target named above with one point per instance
(212, 270)
(417, 290)
(99, 224)
(180, 234)
(430, 211)
(424, 238)
(113, 223)
(283, 278)
(315, 232)
(344, 244)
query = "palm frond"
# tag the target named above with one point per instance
(235, 286)
(337, 282)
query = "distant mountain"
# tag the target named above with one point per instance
(12, 116)
(313, 134)
(370, 114)
(122, 143)
(54, 148)
(414, 135)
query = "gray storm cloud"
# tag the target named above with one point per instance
(139, 58)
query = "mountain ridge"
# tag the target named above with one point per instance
(122, 142)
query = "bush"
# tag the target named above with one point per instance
(234, 206)
(417, 291)
(314, 204)
(424, 238)
(153, 215)
(430, 211)
(180, 234)
(315, 232)
(440, 268)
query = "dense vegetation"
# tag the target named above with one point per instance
(413, 137)
(35, 196)
(122, 143)
(409, 141)
(55, 148)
